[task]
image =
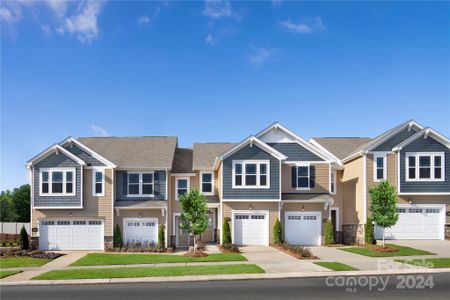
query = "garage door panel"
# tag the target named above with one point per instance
(142, 230)
(250, 228)
(303, 228)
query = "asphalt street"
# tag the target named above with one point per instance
(417, 286)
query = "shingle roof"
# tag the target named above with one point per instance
(182, 161)
(205, 154)
(135, 152)
(341, 147)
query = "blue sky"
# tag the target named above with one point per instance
(216, 71)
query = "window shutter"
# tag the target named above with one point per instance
(156, 183)
(312, 176)
(124, 183)
(294, 177)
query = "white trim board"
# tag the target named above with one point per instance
(54, 149)
(89, 151)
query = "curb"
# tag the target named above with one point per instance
(201, 278)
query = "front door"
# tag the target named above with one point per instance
(208, 235)
(181, 235)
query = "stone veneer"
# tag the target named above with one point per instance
(353, 233)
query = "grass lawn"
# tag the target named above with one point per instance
(99, 259)
(335, 266)
(17, 262)
(149, 272)
(4, 274)
(427, 262)
(402, 251)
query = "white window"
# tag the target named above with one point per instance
(251, 174)
(57, 182)
(425, 166)
(303, 177)
(333, 182)
(379, 167)
(207, 183)
(140, 184)
(181, 187)
(98, 182)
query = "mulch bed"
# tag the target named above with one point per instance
(293, 253)
(136, 250)
(197, 254)
(17, 252)
(231, 249)
(381, 249)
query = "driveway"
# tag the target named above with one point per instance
(275, 261)
(441, 248)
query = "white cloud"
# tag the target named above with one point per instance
(217, 9)
(46, 30)
(99, 130)
(147, 19)
(143, 20)
(307, 26)
(59, 7)
(259, 55)
(10, 13)
(84, 24)
(210, 40)
(276, 3)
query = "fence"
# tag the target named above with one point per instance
(14, 227)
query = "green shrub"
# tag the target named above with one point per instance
(161, 237)
(118, 242)
(329, 233)
(369, 232)
(277, 232)
(24, 242)
(230, 248)
(226, 232)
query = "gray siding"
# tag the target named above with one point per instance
(159, 187)
(54, 161)
(295, 152)
(90, 161)
(251, 153)
(424, 145)
(395, 140)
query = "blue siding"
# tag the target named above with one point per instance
(159, 187)
(395, 140)
(424, 145)
(90, 161)
(295, 152)
(254, 153)
(54, 161)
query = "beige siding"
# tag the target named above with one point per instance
(321, 184)
(272, 207)
(93, 207)
(338, 198)
(353, 191)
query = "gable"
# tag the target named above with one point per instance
(295, 152)
(247, 152)
(56, 160)
(276, 136)
(395, 140)
(425, 145)
(89, 159)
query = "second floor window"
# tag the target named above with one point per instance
(140, 184)
(303, 177)
(182, 187)
(333, 182)
(98, 182)
(57, 182)
(251, 174)
(379, 167)
(424, 166)
(207, 183)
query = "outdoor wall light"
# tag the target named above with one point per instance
(409, 200)
(140, 215)
(303, 208)
(250, 207)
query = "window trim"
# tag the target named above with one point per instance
(213, 192)
(258, 163)
(375, 166)
(94, 182)
(333, 182)
(64, 181)
(140, 184)
(176, 185)
(307, 165)
(432, 155)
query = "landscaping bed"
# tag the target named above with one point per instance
(98, 259)
(335, 266)
(149, 272)
(229, 248)
(390, 250)
(4, 274)
(427, 262)
(296, 251)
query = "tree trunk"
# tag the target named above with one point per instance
(195, 246)
(383, 238)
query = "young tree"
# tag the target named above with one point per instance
(24, 242)
(193, 217)
(384, 205)
(161, 237)
(277, 232)
(226, 232)
(117, 242)
(369, 234)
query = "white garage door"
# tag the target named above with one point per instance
(416, 222)
(140, 230)
(71, 235)
(303, 228)
(251, 228)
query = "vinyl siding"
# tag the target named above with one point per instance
(57, 161)
(253, 153)
(395, 140)
(159, 186)
(295, 152)
(95, 207)
(424, 145)
(87, 158)
(322, 180)
(352, 179)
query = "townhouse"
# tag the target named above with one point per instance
(83, 188)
